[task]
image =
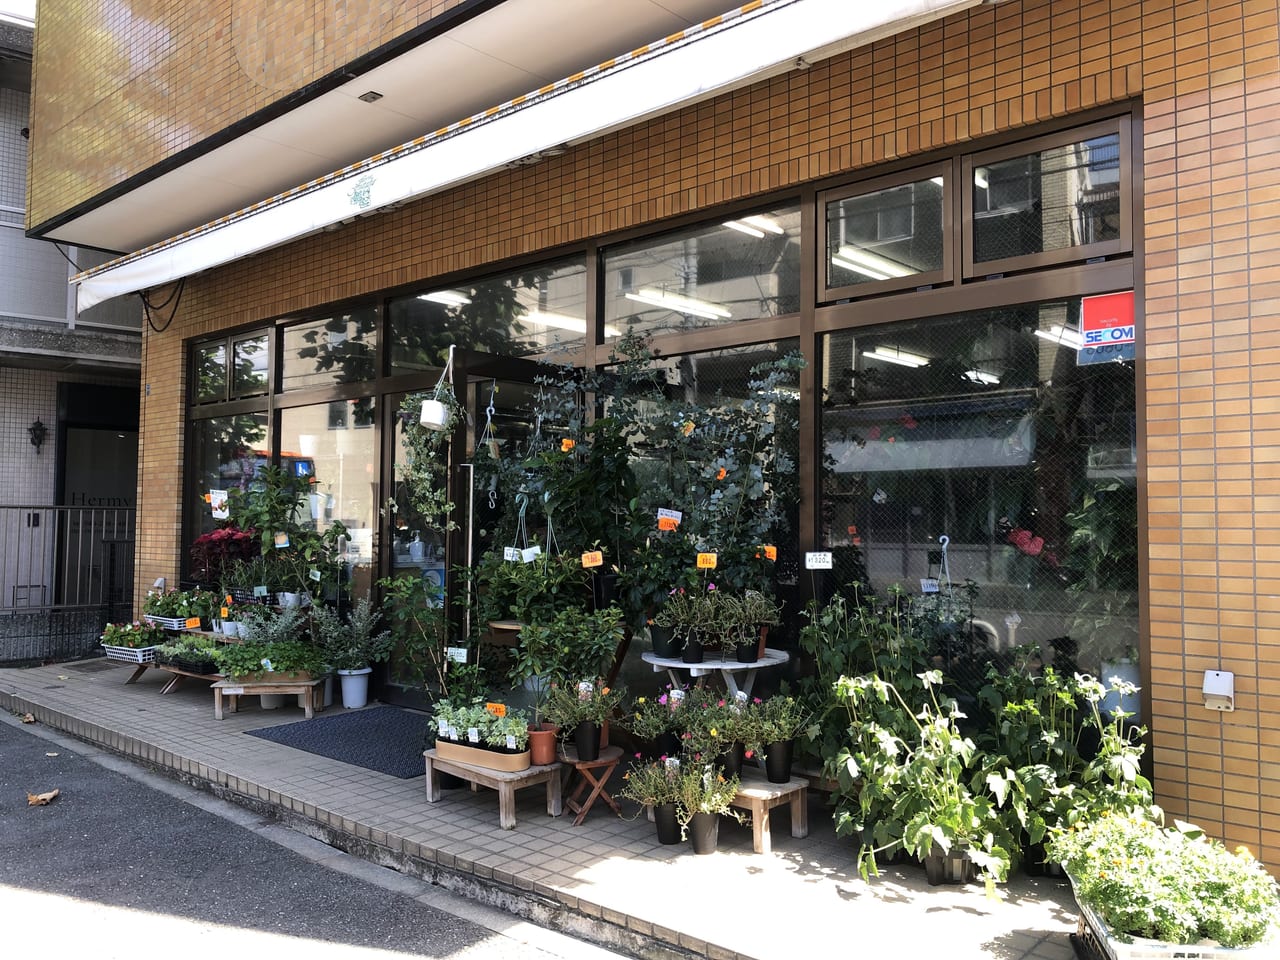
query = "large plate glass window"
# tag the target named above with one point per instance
(225, 453)
(339, 349)
(1053, 200)
(536, 310)
(890, 234)
(742, 268)
(994, 430)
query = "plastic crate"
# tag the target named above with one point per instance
(131, 654)
(169, 623)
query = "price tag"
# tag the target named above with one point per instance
(665, 514)
(497, 709)
(818, 560)
(672, 763)
(706, 561)
(315, 575)
(281, 541)
(928, 585)
(233, 691)
(511, 741)
(442, 727)
(224, 613)
(677, 697)
(593, 558)
(227, 600)
(770, 551)
(585, 689)
(666, 523)
(456, 654)
(193, 623)
(473, 734)
(452, 732)
(260, 591)
(511, 553)
(531, 554)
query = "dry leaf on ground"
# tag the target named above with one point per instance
(40, 799)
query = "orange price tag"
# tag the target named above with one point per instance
(227, 601)
(667, 523)
(706, 561)
(853, 530)
(593, 558)
(193, 623)
(224, 613)
(770, 552)
(497, 709)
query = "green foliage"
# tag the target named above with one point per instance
(283, 658)
(425, 467)
(703, 788)
(182, 604)
(456, 720)
(651, 783)
(133, 635)
(355, 643)
(569, 704)
(422, 634)
(262, 625)
(531, 592)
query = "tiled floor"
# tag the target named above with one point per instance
(804, 899)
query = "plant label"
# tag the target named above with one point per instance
(770, 552)
(473, 734)
(706, 561)
(593, 558)
(672, 763)
(456, 654)
(497, 709)
(928, 585)
(511, 553)
(233, 691)
(674, 515)
(193, 623)
(442, 727)
(315, 575)
(223, 612)
(511, 741)
(531, 554)
(259, 591)
(818, 560)
(677, 697)
(666, 523)
(585, 689)
(281, 541)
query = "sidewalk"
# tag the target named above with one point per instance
(607, 880)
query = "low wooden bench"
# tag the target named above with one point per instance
(505, 782)
(759, 796)
(310, 693)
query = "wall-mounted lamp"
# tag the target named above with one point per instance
(37, 431)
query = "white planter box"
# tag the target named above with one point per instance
(1095, 933)
(131, 654)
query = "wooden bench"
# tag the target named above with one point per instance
(310, 693)
(759, 796)
(505, 782)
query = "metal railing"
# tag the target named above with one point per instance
(65, 572)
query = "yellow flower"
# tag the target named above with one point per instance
(715, 732)
(687, 428)
(640, 700)
(566, 445)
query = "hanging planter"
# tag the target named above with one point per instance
(429, 421)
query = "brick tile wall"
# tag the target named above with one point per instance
(1207, 75)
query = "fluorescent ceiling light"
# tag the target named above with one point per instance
(450, 298)
(561, 322)
(680, 304)
(980, 178)
(895, 355)
(981, 376)
(865, 271)
(742, 227)
(1066, 336)
(864, 261)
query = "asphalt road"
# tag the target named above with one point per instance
(126, 864)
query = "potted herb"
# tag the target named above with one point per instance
(703, 795)
(1141, 883)
(134, 642)
(481, 735)
(583, 709)
(656, 785)
(352, 646)
(777, 723)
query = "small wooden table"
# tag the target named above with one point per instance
(759, 796)
(594, 774)
(726, 668)
(310, 693)
(505, 782)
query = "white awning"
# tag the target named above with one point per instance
(753, 41)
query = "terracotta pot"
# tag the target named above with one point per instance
(542, 744)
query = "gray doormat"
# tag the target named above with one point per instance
(386, 739)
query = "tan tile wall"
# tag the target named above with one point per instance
(139, 82)
(1207, 74)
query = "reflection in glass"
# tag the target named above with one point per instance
(343, 467)
(1063, 197)
(210, 380)
(742, 269)
(533, 311)
(226, 453)
(886, 234)
(340, 349)
(249, 365)
(1014, 447)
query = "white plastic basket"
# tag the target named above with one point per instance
(131, 654)
(169, 623)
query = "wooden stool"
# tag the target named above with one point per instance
(760, 796)
(594, 774)
(310, 693)
(505, 782)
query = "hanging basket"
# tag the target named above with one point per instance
(435, 415)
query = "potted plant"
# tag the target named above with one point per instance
(1159, 889)
(656, 720)
(703, 795)
(583, 708)
(134, 642)
(351, 647)
(777, 723)
(481, 735)
(656, 785)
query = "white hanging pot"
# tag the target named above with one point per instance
(435, 415)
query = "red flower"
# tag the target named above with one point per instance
(873, 433)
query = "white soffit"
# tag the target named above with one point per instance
(750, 42)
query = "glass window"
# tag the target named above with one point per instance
(741, 269)
(1057, 199)
(887, 234)
(536, 310)
(209, 382)
(988, 451)
(226, 453)
(340, 349)
(249, 365)
(343, 466)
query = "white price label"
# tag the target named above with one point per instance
(456, 654)
(531, 554)
(233, 691)
(677, 696)
(818, 560)
(442, 727)
(511, 741)
(928, 585)
(511, 553)
(259, 591)
(473, 734)
(665, 514)
(315, 575)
